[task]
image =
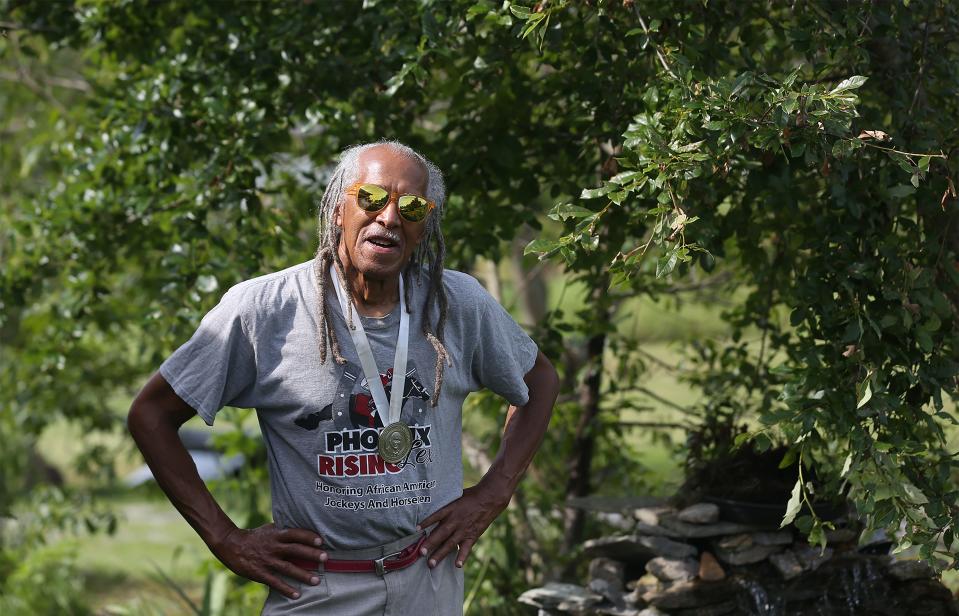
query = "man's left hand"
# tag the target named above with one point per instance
(460, 523)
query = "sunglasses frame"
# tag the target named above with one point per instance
(354, 190)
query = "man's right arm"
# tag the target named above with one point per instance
(259, 554)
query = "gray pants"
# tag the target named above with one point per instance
(416, 590)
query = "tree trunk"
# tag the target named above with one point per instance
(530, 286)
(584, 441)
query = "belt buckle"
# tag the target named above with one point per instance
(380, 563)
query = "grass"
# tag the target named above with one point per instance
(121, 570)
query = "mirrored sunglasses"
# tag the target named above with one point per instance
(373, 198)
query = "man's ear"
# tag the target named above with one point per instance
(337, 219)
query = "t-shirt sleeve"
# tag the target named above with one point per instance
(216, 367)
(503, 354)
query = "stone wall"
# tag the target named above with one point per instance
(691, 562)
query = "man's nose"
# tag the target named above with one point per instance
(389, 216)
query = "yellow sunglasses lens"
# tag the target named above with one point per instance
(413, 208)
(371, 197)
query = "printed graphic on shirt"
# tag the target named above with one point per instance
(349, 440)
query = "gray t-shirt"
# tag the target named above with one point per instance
(258, 348)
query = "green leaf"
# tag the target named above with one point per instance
(902, 190)
(817, 536)
(594, 193)
(866, 395)
(794, 504)
(788, 458)
(564, 211)
(796, 317)
(690, 147)
(761, 442)
(480, 8)
(914, 494)
(741, 438)
(541, 247)
(666, 264)
(904, 544)
(852, 83)
(521, 12)
(846, 466)
(924, 162)
(625, 176)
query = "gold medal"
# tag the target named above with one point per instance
(396, 441)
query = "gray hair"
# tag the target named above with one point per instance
(428, 255)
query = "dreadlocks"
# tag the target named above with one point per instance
(428, 255)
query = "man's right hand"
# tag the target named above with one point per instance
(262, 553)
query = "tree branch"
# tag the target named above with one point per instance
(9, 25)
(922, 60)
(662, 400)
(719, 279)
(659, 53)
(61, 82)
(653, 424)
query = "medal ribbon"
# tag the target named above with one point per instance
(394, 407)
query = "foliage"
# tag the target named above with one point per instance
(45, 581)
(763, 152)
(803, 155)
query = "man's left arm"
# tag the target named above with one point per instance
(461, 522)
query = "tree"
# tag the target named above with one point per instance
(805, 155)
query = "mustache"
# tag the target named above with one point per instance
(386, 234)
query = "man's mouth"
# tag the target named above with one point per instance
(383, 241)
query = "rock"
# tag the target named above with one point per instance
(648, 581)
(674, 527)
(709, 568)
(782, 537)
(673, 569)
(694, 594)
(616, 520)
(616, 611)
(811, 557)
(606, 590)
(650, 515)
(669, 548)
(651, 611)
(642, 528)
(607, 569)
(740, 541)
(637, 548)
(904, 570)
(718, 609)
(700, 513)
(562, 596)
(646, 584)
(612, 504)
(744, 553)
(841, 535)
(755, 554)
(786, 564)
(877, 542)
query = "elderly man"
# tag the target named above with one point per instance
(357, 363)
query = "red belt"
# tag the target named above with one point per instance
(390, 562)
